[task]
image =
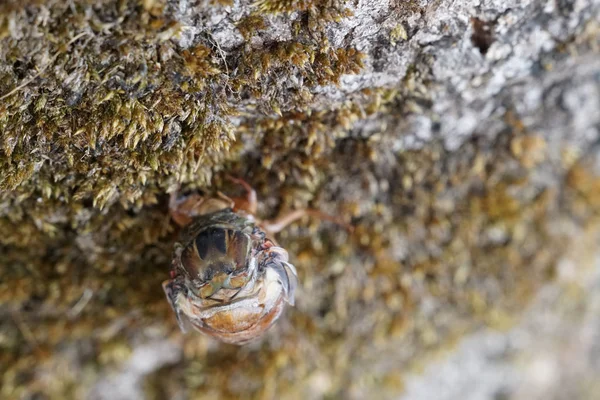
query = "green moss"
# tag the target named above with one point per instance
(249, 25)
(325, 10)
(398, 33)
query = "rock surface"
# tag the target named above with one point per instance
(461, 138)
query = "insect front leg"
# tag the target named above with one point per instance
(248, 204)
(184, 209)
(281, 222)
(172, 290)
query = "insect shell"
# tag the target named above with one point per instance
(228, 279)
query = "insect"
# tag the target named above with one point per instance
(229, 278)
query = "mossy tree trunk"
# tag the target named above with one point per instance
(459, 137)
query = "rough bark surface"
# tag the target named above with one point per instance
(460, 138)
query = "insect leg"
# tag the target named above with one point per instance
(182, 210)
(278, 224)
(249, 204)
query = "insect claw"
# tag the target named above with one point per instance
(292, 281)
(287, 277)
(181, 323)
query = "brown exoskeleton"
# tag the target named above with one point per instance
(229, 278)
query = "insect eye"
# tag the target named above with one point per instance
(208, 274)
(228, 269)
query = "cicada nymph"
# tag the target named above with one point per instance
(229, 278)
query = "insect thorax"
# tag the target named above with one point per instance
(217, 248)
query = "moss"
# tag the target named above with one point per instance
(249, 25)
(318, 11)
(102, 114)
(398, 33)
